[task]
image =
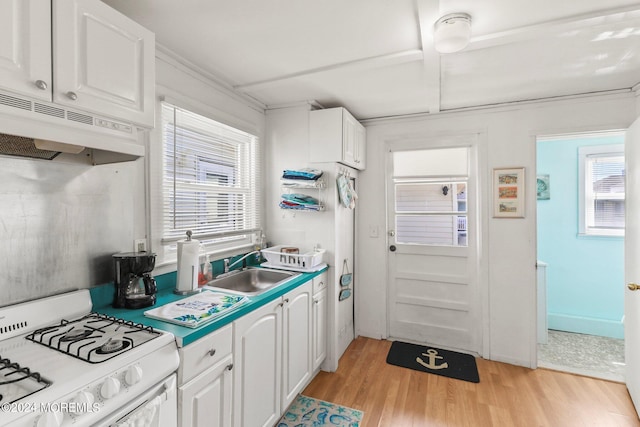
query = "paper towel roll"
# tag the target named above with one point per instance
(188, 260)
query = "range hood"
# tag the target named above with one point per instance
(37, 129)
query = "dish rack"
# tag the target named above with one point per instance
(307, 260)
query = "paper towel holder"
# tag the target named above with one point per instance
(187, 274)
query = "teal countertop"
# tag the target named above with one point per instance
(102, 299)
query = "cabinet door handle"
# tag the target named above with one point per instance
(41, 84)
(72, 96)
(229, 366)
(211, 352)
(316, 301)
(286, 300)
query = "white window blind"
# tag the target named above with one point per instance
(604, 191)
(210, 179)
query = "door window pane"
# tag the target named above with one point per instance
(431, 197)
(430, 209)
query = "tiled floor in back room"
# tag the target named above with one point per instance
(589, 355)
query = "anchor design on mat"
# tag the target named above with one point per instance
(433, 356)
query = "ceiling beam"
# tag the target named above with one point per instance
(543, 29)
(428, 14)
(365, 63)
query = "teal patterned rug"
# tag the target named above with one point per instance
(309, 412)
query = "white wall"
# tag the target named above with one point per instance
(508, 248)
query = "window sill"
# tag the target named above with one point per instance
(587, 236)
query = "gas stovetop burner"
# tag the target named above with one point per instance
(93, 338)
(112, 346)
(75, 334)
(17, 382)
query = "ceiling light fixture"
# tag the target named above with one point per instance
(452, 32)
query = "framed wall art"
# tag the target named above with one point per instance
(543, 190)
(508, 192)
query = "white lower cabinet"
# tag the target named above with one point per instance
(205, 381)
(272, 352)
(206, 400)
(258, 363)
(319, 310)
(246, 374)
(296, 343)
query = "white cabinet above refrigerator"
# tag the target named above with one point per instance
(336, 136)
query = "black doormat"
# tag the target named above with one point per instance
(434, 361)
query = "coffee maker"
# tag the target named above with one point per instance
(135, 287)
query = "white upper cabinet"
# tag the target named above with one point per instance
(80, 54)
(103, 62)
(336, 136)
(25, 47)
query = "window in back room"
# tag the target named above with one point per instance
(601, 190)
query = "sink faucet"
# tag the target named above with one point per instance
(228, 267)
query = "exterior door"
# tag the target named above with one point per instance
(632, 266)
(433, 295)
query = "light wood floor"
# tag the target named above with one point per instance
(507, 395)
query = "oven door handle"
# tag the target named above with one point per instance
(169, 388)
(149, 410)
(145, 413)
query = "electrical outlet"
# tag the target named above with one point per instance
(140, 245)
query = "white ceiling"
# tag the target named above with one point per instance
(376, 57)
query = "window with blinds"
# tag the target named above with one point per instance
(210, 180)
(603, 190)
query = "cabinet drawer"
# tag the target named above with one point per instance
(319, 283)
(204, 353)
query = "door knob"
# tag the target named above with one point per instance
(392, 248)
(633, 286)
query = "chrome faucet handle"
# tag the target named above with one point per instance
(226, 265)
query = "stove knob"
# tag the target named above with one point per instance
(83, 402)
(110, 388)
(133, 375)
(50, 419)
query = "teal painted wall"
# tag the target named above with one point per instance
(585, 275)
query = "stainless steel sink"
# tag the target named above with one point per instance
(252, 281)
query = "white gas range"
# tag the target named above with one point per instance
(61, 365)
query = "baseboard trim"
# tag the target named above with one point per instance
(586, 325)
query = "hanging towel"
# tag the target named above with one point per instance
(354, 195)
(344, 190)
